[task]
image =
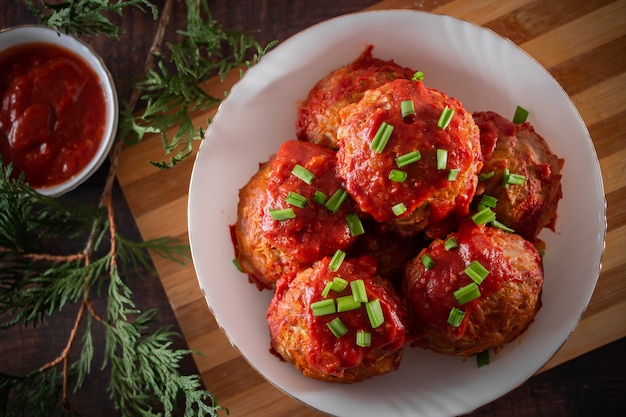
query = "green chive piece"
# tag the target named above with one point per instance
(467, 293)
(444, 119)
(375, 313)
(327, 288)
(452, 174)
(407, 108)
(482, 358)
(408, 158)
(488, 201)
(442, 159)
(484, 216)
(476, 272)
(337, 327)
(363, 338)
(323, 307)
(399, 209)
(238, 264)
(282, 214)
(347, 303)
(455, 317)
(512, 179)
(382, 137)
(319, 197)
(296, 199)
(359, 294)
(520, 116)
(502, 226)
(303, 173)
(418, 76)
(336, 200)
(338, 284)
(450, 243)
(486, 175)
(336, 260)
(354, 224)
(427, 261)
(397, 176)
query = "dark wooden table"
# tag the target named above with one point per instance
(590, 385)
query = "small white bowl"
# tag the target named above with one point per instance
(20, 35)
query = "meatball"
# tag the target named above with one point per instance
(517, 149)
(318, 116)
(301, 337)
(509, 296)
(280, 229)
(439, 183)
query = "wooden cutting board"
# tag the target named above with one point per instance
(581, 43)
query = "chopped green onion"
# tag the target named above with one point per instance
(282, 214)
(444, 119)
(520, 116)
(418, 76)
(502, 226)
(512, 179)
(338, 284)
(296, 199)
(427, 261)
(303, 173)
(468, 293)
(382, 137)
(482, 358)
(484, 216)
(359, 294)
(452, 174)
(408, 158)
(354, 224)
(347, 303)
(450, 243)
(375, 313)
(399, 209)
(488, 201)
(397, 176)
(336, 260)
(407, 108)
(442, 159)
(455, 317)
(486, 175)
(323, 307)
(238, 265)
(476, 272)
(363, 338)
(337, 327)
(336, 200)
(327, 288)
(319, 197)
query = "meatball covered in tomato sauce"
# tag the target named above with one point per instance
(326, 333)
(318, 116)
(410, 171)
(477, 289)
(528, 203)
(284, 222)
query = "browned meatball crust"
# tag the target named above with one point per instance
(305, 340)
(510, 294)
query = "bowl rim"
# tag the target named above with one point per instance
(30, 33)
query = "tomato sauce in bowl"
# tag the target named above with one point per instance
(56, 121)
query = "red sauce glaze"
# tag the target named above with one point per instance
(328, 353)
(53, 113)
(366, 172)
(315, 231)
(433, 296)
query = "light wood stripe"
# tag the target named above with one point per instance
(480, 11)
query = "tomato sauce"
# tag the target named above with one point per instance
(52, 115)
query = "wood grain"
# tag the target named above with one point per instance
(583, 45)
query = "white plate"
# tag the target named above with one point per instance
(485, 72)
